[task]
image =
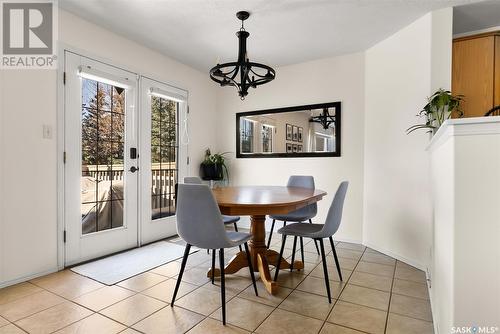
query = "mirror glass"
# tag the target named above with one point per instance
(301, 131)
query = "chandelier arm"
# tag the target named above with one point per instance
(260, 82)
(262, 66)
(236, 71)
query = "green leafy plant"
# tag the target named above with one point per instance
(217, 159)
(439, 108)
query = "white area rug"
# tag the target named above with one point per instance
(119, 267)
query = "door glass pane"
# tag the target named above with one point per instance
(164, 153)
(103, 134)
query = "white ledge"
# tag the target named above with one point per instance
(465, 127)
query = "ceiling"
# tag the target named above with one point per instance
(476, 16)
(201, 32)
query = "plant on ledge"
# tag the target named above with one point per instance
(442, 104)
(214, 166)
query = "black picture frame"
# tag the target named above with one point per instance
(288, 131)
(295, 133)
(338, 133)
(289, 148)
(300, 132)
(294, 148)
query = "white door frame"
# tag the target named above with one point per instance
(82, 247)
(152, 230)
(60, 134)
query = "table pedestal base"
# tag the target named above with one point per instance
(260, 255)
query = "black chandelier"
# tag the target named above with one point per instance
(324, 119)
(243, 73)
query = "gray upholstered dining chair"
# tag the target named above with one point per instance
(227, 219)
(319, 232)
(199, 224)
(298, 216)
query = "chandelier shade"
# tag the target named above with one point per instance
(242, 74)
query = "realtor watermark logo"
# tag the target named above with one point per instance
(475, 330)
(29, 34)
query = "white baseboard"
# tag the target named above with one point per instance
(27, 278)
(411, 262)
(433, 309)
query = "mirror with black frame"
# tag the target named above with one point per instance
(301, 131)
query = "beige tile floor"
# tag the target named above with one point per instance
(378, 295)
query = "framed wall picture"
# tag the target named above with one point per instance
(299, 148)
(300, 134)
(294, 148)
(289, 148)
(295, 133)
(288, 132)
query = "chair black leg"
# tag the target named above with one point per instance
(250, 266)
(181, 272)
(280, 257)
(222, 285)
(213, 266)
(336, 258)
(293, 252)
(302, 249)
(315, 241)
(236, 230)
(325, 270)
(270, 234)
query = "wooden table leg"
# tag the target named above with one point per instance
(260, 255)
(272, 257)
(258, 252)
(236, 263)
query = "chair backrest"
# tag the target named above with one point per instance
(192, 180)
(199, 221)
(304, 181)
(301, 181)
(334, 216)
(495, 111)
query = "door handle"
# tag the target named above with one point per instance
(134, 169)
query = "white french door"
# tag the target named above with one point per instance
(100, 176)
(163, 151)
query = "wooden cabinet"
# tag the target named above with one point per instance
(476, 72)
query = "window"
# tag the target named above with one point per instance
(267, 138)
(103, 134)
(164, 152)
(246, 139)
(324, 143)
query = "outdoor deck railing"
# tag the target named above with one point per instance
(162, 184)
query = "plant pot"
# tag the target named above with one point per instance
(211, 172)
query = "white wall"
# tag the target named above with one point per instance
(326, 80)
(28, 193)
(401, 72)
(465, 159)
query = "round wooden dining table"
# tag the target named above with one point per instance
(257, 202)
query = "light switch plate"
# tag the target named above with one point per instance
(47, 131)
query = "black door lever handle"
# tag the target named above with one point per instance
(134, 169)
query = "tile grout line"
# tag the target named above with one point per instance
(342, 290)
(390, 298)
